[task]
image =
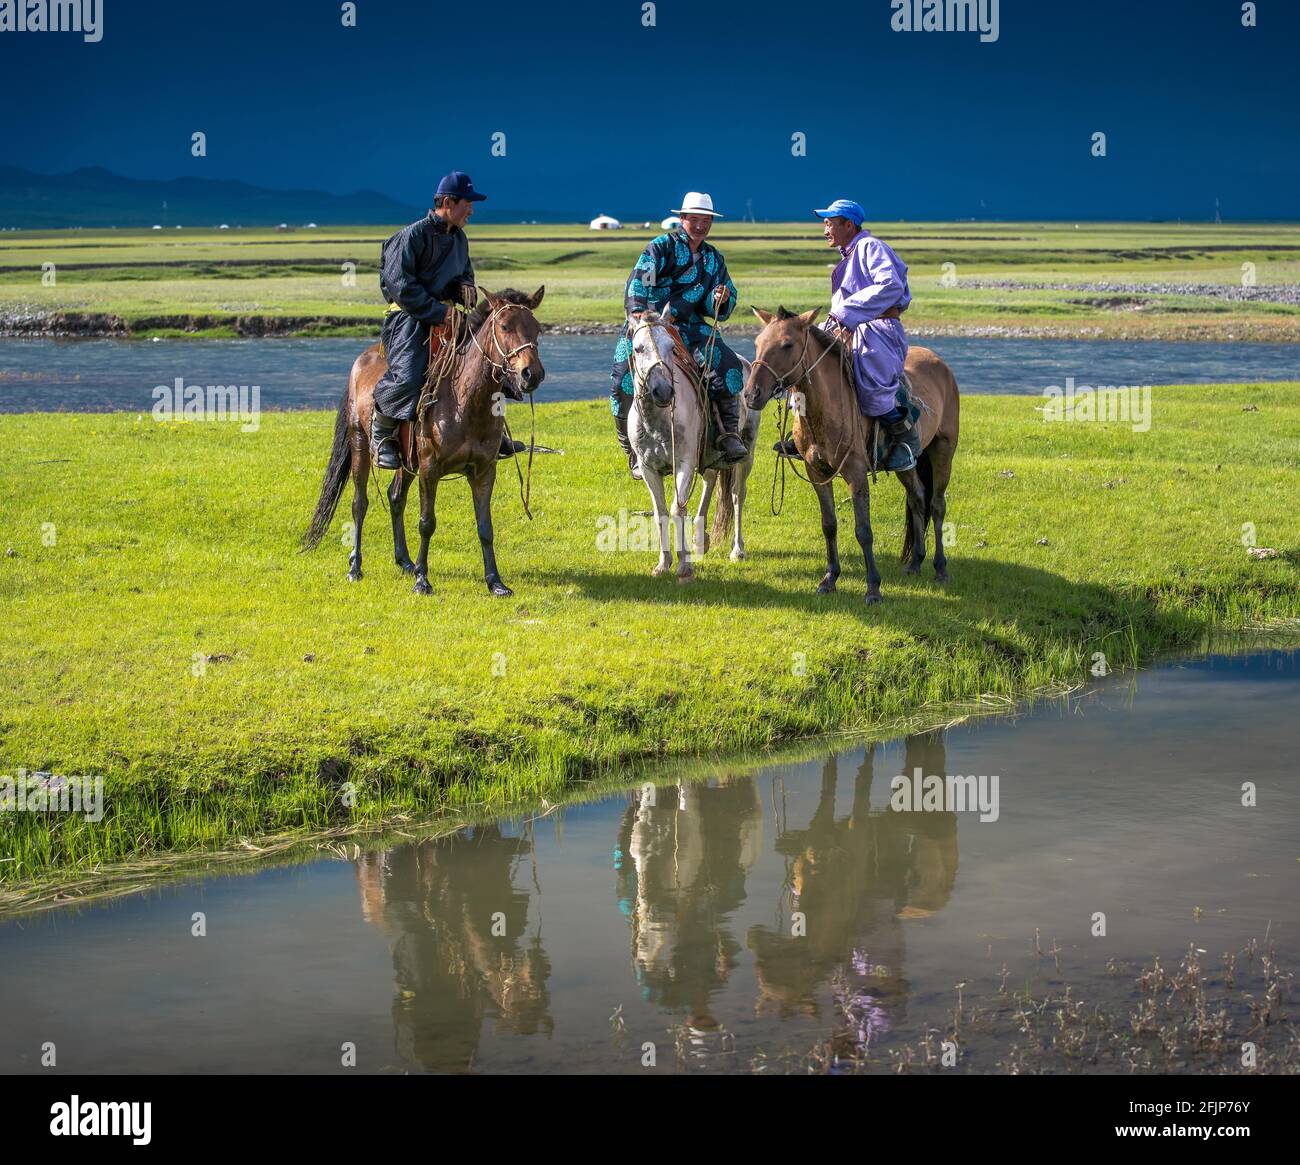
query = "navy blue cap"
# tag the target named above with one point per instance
(458, 185)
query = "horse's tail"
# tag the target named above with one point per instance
(336, 475)
(725, 514)
(925, 472)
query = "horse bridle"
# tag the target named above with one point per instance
(638, 380)
(781, 385)
(504, 365)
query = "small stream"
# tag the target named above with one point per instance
(722, 920)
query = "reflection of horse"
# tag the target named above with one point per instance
(458, 433)
(853, 879)
(685, 853)
(437, 899)
(833, 436)
(667, 428)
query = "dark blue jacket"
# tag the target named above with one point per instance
(424, 263)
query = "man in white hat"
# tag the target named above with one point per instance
(685, 279)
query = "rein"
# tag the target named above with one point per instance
(499, 371)
(450, 355)
(686, 364)
(781, 385)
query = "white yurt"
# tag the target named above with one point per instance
(671, 223)
(603, 222)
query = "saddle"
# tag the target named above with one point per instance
(439, 334)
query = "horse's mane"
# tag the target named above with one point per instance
(481, 309)
(844, 352)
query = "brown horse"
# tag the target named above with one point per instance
(832, 435)
(459, 433)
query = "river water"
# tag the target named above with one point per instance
(102, 375)
(722, 920)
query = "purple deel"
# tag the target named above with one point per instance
(871, 279)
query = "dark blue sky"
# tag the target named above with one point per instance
(602, 114)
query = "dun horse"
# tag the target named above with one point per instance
(459, 432)
(667, 428)
(832, 435)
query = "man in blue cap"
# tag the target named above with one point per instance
(868, 294)
(425, 272)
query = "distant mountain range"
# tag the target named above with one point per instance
(95, 197)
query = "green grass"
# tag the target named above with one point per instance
(158, 282)
(172, 542)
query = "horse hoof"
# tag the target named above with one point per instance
(873, 597)
(910, 569)
(422, 587)
(659, 572)
(686, 578)
(941, 576)
(407, 567)
(500, 590)
(354, 576)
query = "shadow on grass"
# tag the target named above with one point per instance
(981, 594)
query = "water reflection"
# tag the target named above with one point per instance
(457, 913)
(681, 860)
(458, 926)
(853, 882)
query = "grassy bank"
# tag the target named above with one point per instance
(161, 628)
(220, 283)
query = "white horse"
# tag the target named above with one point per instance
(666, 428)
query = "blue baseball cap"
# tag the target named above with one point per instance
(458, 185)
(843, 208)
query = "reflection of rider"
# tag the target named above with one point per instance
(438, 898)
(682, 859)
(685, 280)
(853, 880)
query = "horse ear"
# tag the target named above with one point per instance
(782, 314)
(765, 316)
(810, 317)
(535, 300)
(486, 294)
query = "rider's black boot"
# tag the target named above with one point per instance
(729, 442)
(383, 441)
(620, 427)
(509, 448)
(906, 446)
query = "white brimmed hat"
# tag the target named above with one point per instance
(697, 203)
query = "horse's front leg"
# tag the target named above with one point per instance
(702, 514)
(683, 480)
(739, 484)
(830, 531)
(428, 523)
(397, 491)
(655, 484)
(480, 485)
(862, 528)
